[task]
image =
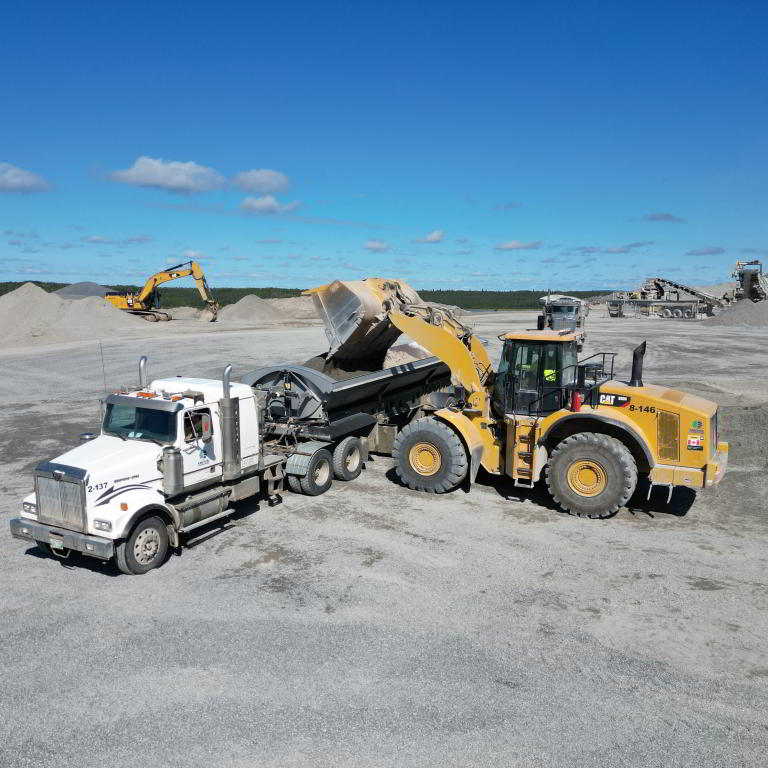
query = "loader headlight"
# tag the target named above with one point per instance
(102, 525)
(29, 506)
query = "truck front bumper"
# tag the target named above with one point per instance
(60, 538)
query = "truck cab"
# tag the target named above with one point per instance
(177, 450)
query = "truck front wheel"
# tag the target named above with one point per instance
(144, 549)
(429, 456)
(591, 475)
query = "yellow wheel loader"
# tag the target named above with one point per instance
(146, 302)
(542, 414)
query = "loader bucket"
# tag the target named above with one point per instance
(355, 316)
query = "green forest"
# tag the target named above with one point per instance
(488, 300)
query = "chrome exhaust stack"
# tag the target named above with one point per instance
(229, 418)
(142, 372)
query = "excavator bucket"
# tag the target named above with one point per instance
(355, 315)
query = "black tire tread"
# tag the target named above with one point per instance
(339, 455)
(459, 463)
(604, 442)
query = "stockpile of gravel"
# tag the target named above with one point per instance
(297, 307)
(29, 315)
(743, 313)
(81, 291)
(253, 311)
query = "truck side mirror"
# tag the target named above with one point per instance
(206, 427)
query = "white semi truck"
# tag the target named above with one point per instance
(175, 454)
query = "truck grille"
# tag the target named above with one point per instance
(668, 426)
(60, 492)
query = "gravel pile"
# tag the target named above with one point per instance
(29, 315)
(743, 313)
(297, 307)
(81, 291)
(254, 311)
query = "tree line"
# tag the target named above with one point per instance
(477, 300)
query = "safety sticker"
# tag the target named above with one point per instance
(694, 443)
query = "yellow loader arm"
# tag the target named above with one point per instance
(363, 318)
(174, 273)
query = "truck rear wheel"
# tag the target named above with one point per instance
(429, 456)
(591, 475)
(319, 474)
(144, 549)
(348, 459)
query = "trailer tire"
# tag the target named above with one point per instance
(145, 548)
(429, 456)
(591, 475)
(294, 483)
(319, 475)
(677, 312)
(348, 459)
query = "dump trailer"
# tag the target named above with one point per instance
(176, 453)
(146, 303)
(542, 414)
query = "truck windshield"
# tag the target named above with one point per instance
(565, 310)
(140, 423)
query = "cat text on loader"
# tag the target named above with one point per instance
(146, 302)
(542, 412)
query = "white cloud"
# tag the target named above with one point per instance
(172, 175)
(433, 237)
(516, 245)
(375, 246)
(14, 179)
(262, 180)
(267, 204)
(97, 239)
(190, 255)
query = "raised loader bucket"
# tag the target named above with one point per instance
(355, 315)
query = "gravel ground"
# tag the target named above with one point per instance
(379, 626)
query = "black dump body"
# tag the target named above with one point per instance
(327, 408)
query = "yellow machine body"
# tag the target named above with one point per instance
(671, 435)
(144, 302)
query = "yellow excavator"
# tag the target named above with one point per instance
(146, 302)
(541, 413)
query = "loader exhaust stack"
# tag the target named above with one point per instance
(637, 366)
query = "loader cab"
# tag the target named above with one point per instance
(534, 369)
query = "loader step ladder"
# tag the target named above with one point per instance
(526, 434)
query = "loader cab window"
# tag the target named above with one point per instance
(531, 376)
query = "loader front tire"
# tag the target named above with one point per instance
(429, 456)
(591, 475)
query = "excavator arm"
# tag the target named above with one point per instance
(174, 273)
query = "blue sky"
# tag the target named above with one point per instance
(455, 145)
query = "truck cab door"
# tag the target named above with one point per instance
(200, 447)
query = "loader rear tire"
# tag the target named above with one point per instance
(591, 475)
(429, 456)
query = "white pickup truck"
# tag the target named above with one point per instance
(173, 455)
